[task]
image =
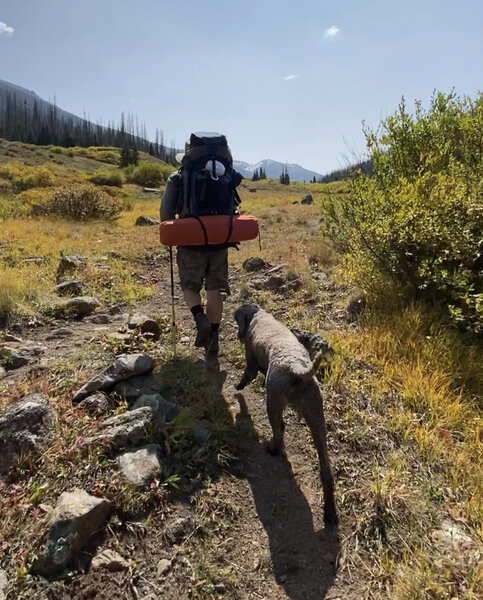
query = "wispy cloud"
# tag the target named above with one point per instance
(6, 29)
(290, 77)
(331, 32)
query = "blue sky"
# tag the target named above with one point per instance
(290, 80)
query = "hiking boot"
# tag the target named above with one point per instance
(203, 330)
(212, 347)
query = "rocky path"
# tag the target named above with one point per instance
(254, 529)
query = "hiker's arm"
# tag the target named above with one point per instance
(169, 201)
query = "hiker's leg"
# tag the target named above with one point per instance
(192, 267)
(214, 306)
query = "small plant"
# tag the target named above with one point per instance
(110, 178)
(83, 203)
(150, 174)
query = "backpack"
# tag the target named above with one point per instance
(207, 179)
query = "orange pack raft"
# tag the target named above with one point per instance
(210, 229)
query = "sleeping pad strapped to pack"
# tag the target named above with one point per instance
(207, 198)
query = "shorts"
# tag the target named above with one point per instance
(203, 267)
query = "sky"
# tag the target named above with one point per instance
(289, 80)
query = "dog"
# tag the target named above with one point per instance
(273, 349)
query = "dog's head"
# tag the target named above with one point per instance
(243, 318)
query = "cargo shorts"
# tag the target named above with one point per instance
(203, 267)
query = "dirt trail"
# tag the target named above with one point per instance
(273, 542)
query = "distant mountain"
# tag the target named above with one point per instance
(28, 99)
(274, 169)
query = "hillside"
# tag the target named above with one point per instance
(219, 517)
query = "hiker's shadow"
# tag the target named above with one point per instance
(303, 559)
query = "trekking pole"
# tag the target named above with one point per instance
(173, 313)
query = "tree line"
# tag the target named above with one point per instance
(45, 125)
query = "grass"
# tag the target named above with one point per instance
(403, 396)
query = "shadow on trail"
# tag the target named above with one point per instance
(303, 559)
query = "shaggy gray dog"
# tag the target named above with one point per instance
(290, 378)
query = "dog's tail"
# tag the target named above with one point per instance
(307, 371)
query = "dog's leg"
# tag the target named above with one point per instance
(313, 412)
(275, 406)
(251, 370)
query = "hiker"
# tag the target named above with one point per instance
(204, 185)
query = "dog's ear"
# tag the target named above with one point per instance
(243, 317)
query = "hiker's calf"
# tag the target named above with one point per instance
(272, 349)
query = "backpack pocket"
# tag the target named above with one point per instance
(213, 196)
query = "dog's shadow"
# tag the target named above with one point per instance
(303, 559)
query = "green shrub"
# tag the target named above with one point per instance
(149, 174)
(83, 203)
(23, 177)
(417, 224)
(110, 178)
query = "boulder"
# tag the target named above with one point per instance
(121, 431)
(78, 307)
(70, 263)
(69, 288)
(307, 199)
(60, 333)
(14, 358)
(124, 367)
(27, 425)
(110, 561)
(147, 326)
(254, 263)
(77, 516)
(134, 387)
(144, 221)
(163, 410)
(96, 403)
(142, 465)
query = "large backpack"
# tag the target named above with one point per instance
(208, 181)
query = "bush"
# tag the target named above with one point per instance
(23, 177)
(417, 223)
(110, 178)
(149, 174)
(83, 203)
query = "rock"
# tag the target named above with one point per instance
(60, 333)
(321, 277)
(121, 431)
(78, 307)
(164, 565)
(70, 288)
(307, 199)
(100, 319)
(295, 202)
(143, 221)
(14, 358)
(27, 425)
(134, 387)
(110, 561)
(200, 432)
(4, 584)
(96, 403)
(124, 367)
(145, 324)
(34, 260)
(355, 307)
(180, 529)
(3, 372)
(274, 282)
(294, 283)
(254, 263)
(74, 520)
(141, 466)
(70, 263)
(163, 410)
(115, 309)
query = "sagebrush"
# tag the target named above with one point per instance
(83, 203)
